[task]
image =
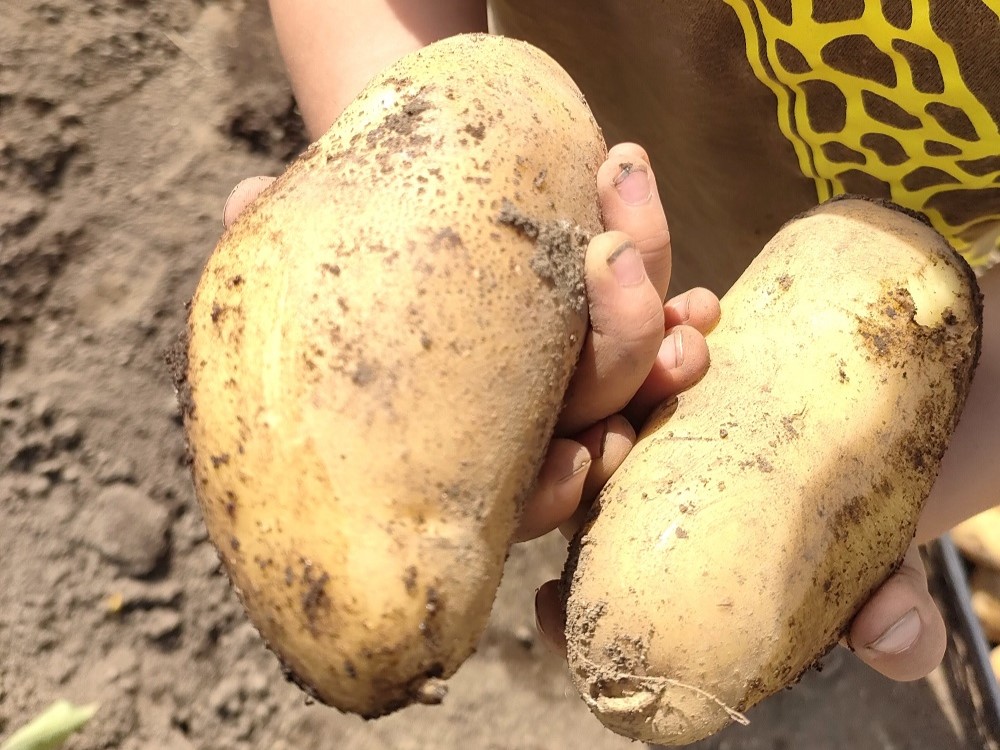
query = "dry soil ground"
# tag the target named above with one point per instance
(123, 125)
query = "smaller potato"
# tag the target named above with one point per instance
(758, 512)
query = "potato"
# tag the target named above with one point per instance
(758, 511)
(378, 351)
(978, 538)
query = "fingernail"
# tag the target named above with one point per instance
(672, 351)
(632, 183)
(900, 636)
(225, 208)
(595, 438)
(683, 307)
(538, 621)
(546, 640)
(581, 460)
(627, 265)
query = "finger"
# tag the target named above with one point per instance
(626, 328)
(682, 360)
(631, 204)
(243, 195)
(550, 618)
(698, 308)
(558, 488)
(617, 440)
(900, 632)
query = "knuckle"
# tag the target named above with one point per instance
(630, 326)
(654, 244)
(647, 322)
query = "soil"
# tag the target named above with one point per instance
(123, 126)
(556, 244)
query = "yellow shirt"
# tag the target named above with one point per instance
(752, 110)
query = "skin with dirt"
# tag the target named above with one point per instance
(123, 127)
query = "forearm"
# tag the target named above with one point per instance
(333, 48)
(970, 475)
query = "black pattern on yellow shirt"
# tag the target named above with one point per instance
(899, 98)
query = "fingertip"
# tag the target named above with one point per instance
(900, 632)
(627, 150)
(626, 265)
(630, 202)
(908, 649)
(550, 619)
(706, 310)
(698, 307)
(604, 281)
(683, 357)
(617, 437)
(618, 288)
(557, 490)
(245, 193)
(626, 328)
(682, 360)
(621, 294)
(618, 441)
(602, 247)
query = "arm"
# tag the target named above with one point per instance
(332, 48)
(970, 473)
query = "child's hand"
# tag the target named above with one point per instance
(638, 351)
(899, 632)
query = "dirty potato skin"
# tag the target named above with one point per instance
(759, 512)
(378, 351)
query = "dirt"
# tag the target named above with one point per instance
(123, 126)
(558, 247)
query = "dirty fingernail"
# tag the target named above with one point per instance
(632, 183)
(627, 265)
(899, 636)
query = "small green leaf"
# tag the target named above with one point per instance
(50, 729)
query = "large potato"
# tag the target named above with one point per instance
(378, 351)
(759, 512)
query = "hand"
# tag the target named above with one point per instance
(638, 351)
(899, 632)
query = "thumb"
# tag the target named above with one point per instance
(243, 195)
(900, 632)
